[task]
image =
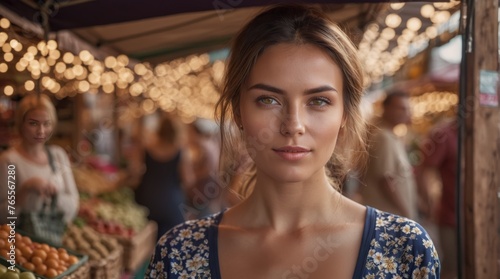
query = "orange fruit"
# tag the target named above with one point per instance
(19, 238)
(73, 259)
(4, 235)
(21, 260)
(45, 247)
(63, 265)
(18, 252)
(27, 252)
(53, 255)
(3, 243)
(52, 263)
(4, 253)
(36, 260)
(63, 256)
(27, 240)
(40, 253)
(40, 269)
(29, 266)
(51, 273)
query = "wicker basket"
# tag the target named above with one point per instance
(139, 248)
(82, 272)
(109, 268)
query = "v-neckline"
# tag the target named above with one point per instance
(368, 230)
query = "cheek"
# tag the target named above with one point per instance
(259, 132)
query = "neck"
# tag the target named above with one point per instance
(286, 207)
(32, 149)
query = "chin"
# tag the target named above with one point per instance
(289, 175)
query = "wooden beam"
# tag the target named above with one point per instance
(482, 149)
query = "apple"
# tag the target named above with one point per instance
(27, 275)
(10, 275)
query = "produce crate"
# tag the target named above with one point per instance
(79, 270)
(139, 248)
(109, 268)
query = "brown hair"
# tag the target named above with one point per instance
(31, 102)
(294, 24)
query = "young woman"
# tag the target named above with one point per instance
(293, 86)
(41, 171)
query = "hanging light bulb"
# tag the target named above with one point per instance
(393, 20)
(8, 56)
(68, 58)
(85, 56)
(8, 90)
(3, 68)
(414, 24)
(427, 11)
(33, 50)
(397, 6)
(29, 85)
(51, 45)
(4, 23)
(110, 62)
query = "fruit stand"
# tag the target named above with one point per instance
(31, 258)
(111, 213)
(111, 236)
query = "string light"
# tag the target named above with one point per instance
(190, 86)
(4, 23)
(8, 90)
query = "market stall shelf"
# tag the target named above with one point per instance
(138, 248)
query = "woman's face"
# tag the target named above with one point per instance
(291, 110)
(37, 126)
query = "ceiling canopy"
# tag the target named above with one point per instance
(158, 30)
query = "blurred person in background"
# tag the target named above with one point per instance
(205, 195)
(41, 171)
(440, 154)
(388, 182)
(167, 175)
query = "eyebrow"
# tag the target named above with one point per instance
(280, 91)
(31, 119)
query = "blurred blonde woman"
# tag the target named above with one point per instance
(41, 170)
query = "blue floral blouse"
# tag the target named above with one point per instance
(392, 247)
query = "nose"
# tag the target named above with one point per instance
(293, 122)
(40, 130)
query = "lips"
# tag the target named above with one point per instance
(292, 149)
(292, 153)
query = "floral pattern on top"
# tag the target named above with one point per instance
(398, 248)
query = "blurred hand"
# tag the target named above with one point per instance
(40, 186)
